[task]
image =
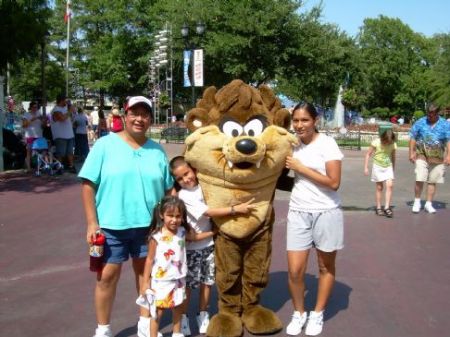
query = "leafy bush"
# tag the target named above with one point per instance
(381, 112)
(418, 114)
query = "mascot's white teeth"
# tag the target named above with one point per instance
(258, 163)
(230, 164)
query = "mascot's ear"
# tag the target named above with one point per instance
(198, 116)
(270, 100)
(208, 100)
(282, 118)
(196, 119)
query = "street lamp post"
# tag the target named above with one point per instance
(194, 56)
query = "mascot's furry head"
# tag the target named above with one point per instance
(239, 149)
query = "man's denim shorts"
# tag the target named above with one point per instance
(121, 244)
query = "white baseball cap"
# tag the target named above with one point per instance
(138, 100)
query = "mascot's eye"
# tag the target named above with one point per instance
(254, 128)
(232, 129)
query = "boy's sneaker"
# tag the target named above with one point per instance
(177, 334)
(295, 326)
(203, 321)
(429, 208)
(185, 329)
(314, 324)
(416, 207)
(103, 332)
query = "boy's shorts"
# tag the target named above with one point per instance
(430, 173)
(120, 244)
(201, 267)
(324, 230)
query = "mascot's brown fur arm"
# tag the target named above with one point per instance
(239, 147)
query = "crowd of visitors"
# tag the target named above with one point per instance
(68, 129)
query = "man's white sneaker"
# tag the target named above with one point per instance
(103, 332)
(429, 208)
(177, 334)
(416, 207)
(185, 329)
(295, 326)
(203, 321)
(314, 324)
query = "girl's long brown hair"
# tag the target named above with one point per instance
(168, 202)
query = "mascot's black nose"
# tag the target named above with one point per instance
(246, 146)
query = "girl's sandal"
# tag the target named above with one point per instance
(388, 212)
(379, 211)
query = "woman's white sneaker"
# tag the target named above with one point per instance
(429, 208)
(295, 326)
(314, 324)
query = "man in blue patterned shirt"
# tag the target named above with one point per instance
(429, 149)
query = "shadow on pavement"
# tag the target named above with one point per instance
(28, 183)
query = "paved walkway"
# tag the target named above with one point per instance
(393, 277)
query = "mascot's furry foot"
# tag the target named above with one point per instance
(225, 325)
(261, 321)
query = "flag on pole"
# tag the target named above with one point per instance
(68, 12)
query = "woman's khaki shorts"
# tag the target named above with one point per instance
(430, 173)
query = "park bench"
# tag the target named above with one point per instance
(174, 134)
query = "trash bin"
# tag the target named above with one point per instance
(382, 128)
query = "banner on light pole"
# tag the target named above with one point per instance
(186, 62)
(198, 68)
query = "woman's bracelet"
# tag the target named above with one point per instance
(233, 212)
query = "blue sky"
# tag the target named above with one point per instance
(423, 16)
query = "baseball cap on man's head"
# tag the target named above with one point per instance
(135, 100)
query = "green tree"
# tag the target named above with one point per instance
(317, 60)
(22, 28)
(393, 57)
(439, 74)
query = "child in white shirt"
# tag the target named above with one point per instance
(200, 254)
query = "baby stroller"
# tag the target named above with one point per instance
(44, 158)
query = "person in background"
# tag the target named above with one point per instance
(429, 150)
(10, 116)
(315, 217)
(102, 129)
(80, 123)
(383, 151)
(62, 131)
(94, 121)
(124, 177)
(32, 124)
(115, 120)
